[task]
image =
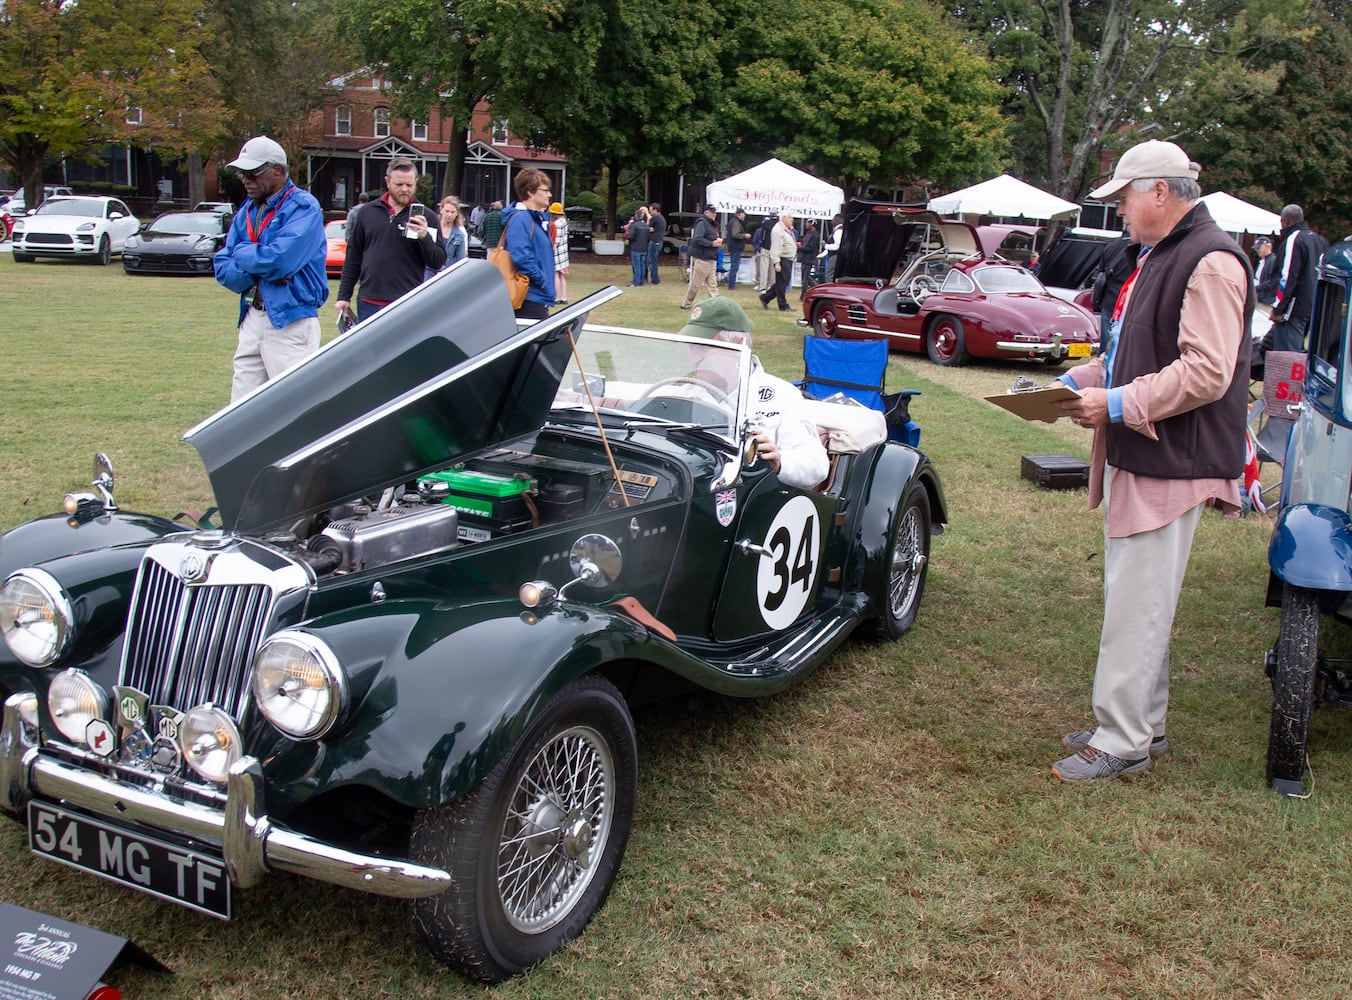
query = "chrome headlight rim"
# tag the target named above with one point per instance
(61, 609)
(82, 688)
(335, 684)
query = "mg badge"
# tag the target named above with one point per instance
(99, 736)
(192, 568)
(131, 707)
(169, 719)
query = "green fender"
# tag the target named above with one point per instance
(439, 694)
(875, 503)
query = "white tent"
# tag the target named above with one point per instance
(773, 187)
(1004, 196)
(1236, 216)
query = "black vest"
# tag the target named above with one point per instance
(1207, 442)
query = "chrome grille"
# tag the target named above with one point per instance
(190, 643)
(856, 314)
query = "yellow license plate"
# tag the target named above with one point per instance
(1079, 350)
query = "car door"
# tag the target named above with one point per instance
(119, 229)
(775, 570)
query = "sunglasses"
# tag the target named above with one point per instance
(252, 175)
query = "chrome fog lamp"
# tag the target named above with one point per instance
(298, 684)
(36, 617)
(75, 701)
(210, 742)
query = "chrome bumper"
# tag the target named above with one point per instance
(1055, 349)
(249, 842)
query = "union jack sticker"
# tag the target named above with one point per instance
(725, 506)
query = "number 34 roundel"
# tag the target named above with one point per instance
(787, 577)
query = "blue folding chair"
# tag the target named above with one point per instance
(858, 368)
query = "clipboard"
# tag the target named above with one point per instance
(1035, 404)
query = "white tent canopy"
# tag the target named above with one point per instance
(1237, 216)
(773, 187)
(1004, 196)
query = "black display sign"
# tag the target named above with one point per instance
(46, 958)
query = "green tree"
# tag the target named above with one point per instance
(872, 92)
(70, 73)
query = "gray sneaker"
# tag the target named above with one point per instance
(1079, 739)
(1094, 765)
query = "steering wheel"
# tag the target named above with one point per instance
(921, 287)
(712, 391)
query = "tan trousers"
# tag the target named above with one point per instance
(264, 352)
(1142, 578)
(702, 273)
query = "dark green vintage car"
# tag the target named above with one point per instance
(455, 551)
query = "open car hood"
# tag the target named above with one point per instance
(441, 372)
(880, 236)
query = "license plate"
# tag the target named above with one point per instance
(1079, 350)
(189, 878)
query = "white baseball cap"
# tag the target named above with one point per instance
(258, 151)
(1147, 161)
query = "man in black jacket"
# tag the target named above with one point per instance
(734, 236)
(704, 244)
(391, 246)
(1289, 283)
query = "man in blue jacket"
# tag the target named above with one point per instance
(274, 257)
(527, 227)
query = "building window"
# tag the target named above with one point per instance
(419, 131)
(499, 133)
(133, 116)
(382, 123)
(342, 120)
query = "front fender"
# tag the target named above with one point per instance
(55, 535)
(1311, 547)
(441, 694)
(877, 502)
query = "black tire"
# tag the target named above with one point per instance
(4, 231)
(105, 255)
(945, 341)
(907, 565)
(22, 258)
(825, 323)
(1293, 684)
(562, 800)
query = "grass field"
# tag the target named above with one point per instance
(888, 829)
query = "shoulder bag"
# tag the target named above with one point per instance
(517, 283)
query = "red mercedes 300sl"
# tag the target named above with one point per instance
(939, 287)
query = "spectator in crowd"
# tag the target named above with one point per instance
(704, 244)
(394, 244)
(526, 224)
(1115, 267)
(1263, 248)
(783, 250)
(1167, 404)
(453, 233)
(831, 247)
(476, 217)
(1290, 284)
(760, 243)
(274, 258)
(657, 225)
(491, 227)
(807, 255)
(734, 240)
(362, 199)
(786, 437)
(558, 226)
(639, 234)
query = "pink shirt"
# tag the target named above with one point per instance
(1211, 328)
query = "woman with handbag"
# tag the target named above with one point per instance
(525, 233)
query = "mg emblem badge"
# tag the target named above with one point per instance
(192, 569)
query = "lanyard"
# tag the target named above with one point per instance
(248, 220)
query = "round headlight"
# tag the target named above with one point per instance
(35, 617)
(298, 684)
(75, 701)
(209, 741)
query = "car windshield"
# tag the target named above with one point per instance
(91, 207)
(187, 223)
(675, 379)
(336, 230)
(1004, 279)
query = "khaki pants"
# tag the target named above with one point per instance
(765, 270)
(702, 272)
(264, 352)
(1142, 578)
